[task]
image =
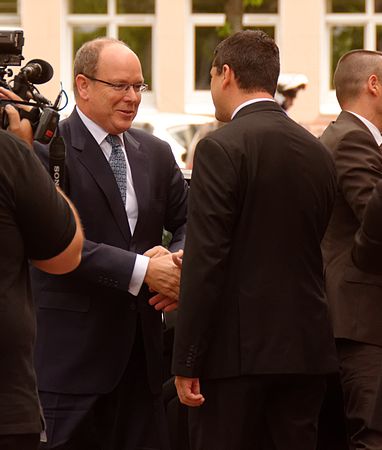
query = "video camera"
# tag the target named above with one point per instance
(44, 115)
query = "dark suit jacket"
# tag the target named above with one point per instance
(354, 296)
(87, 319)
(252, 295)
(367, 249)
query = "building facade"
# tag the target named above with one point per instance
(175, 39)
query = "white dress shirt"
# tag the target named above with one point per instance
(131, 204)
(249, 102)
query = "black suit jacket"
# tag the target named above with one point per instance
(87, 319)
(367, 249)
(252, 295)
(354, 296)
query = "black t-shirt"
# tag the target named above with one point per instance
(35, 223)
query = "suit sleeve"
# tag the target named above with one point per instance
(358, 166)
(211, 221)
(101, 264)
(367, 250)
(111, 266)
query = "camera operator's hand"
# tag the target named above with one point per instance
(21, 127)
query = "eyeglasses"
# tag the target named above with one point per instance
(119, 87)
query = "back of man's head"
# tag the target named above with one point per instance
(254, 58)
(352, 73)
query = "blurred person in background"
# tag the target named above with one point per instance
(288, 86)
(354, 295)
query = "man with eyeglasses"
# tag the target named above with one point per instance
(99, 352)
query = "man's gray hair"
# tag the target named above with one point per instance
(86, 59)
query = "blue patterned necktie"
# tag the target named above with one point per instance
(117, 163)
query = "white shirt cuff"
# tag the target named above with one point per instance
(138, 275)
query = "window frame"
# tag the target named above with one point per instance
(11, 20)
(111, 21)
(199, 101)
(369, 20)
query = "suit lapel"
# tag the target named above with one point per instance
(90, 155)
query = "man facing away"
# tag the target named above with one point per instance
(354, 296)
(99, 351)
(253, 341)
(38, 223)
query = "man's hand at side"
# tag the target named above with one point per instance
(189, 391)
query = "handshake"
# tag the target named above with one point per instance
(163, 277)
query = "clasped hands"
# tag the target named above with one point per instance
(163, 277)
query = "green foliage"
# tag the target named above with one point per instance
(88, 6)
(166, 238)
(252, 3)
(8, 6)
(224, 31)
(344, 39)
(139, 40)
(136, 7)
(347, 6)
(82, 34)
(100, 6)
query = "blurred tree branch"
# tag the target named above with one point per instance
(234, 11)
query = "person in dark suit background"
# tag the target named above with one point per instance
(253, 340)
(99, 351)
(354, 296)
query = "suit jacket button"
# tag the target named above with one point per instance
(133, 306)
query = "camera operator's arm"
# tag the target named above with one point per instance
(20, 127)
(69, 258)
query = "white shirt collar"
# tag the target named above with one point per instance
(95, 130)
(372, 128)
(249, 102)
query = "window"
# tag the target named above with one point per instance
(206, 39)
(213, 6)
(136, 7)
(8, 6)
(88, 6)
(129, 20)
(207, 21)
(350, 24)
(346, 6)
(9, 13)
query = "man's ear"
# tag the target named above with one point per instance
(82, 84)
(374, 85)
(228, 75)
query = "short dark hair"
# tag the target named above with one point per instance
(352, 72)
(254, 58)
